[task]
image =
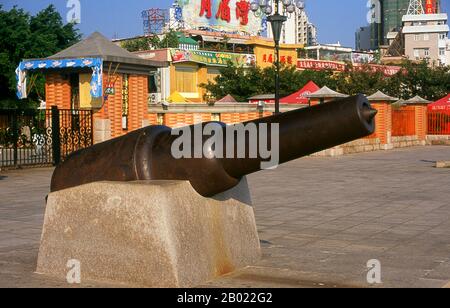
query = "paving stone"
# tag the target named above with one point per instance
(320, 220)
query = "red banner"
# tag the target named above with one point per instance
(318, 65)
(430, 6)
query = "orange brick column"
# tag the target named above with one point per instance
(383, 123)
(138, 101)
(421, 121)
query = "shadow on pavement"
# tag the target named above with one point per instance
(2, 177)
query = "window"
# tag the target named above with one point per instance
(153, 83)
(186, 79)
(427, 52)
(426, 37)
(442, 36)
(416, 53)
(417, 37)
(442, 51)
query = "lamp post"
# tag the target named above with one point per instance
(276, 21)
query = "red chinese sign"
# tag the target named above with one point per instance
(320, 65)
(269, 58)
(242, 10)
(206, 8)
(224, 11)
(340, 66)
(430, 6)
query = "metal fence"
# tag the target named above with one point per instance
(438, 123)
(42, 137)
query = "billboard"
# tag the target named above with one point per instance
(212, 58)
(233, 16)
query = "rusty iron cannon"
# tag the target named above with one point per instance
(147, 154)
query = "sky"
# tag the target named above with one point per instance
(336, 20)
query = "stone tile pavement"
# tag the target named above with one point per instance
(320, 221)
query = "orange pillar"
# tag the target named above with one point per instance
(421, 121)
(383, 123)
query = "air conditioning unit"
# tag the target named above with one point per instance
(154, 98)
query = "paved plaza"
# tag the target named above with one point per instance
(320, 221)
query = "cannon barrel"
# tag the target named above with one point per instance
(146, 154)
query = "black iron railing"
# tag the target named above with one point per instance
(42, 137)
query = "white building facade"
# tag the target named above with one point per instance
(297, 29)
(426, 37)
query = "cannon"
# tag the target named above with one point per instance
(146, 154)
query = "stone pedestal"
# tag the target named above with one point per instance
(152, 234)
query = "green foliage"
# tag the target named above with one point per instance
(243, 83)
(170, 40)
(414, 79)
(420, 79)
(139, 44)
(23, 36)
(363, 80)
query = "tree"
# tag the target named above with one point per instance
(420, 79)
(363, 80)
(413, 79)
(139, 44)
(243, 83)
(24, 37)
(170, 40)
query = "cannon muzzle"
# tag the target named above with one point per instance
(147, 154)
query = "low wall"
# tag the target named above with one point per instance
(357, 146)
(407, 141)
(438, 140)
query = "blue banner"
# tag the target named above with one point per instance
(95, 63)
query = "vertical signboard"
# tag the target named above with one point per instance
(430, 6)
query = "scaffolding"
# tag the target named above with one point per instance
(155, 21)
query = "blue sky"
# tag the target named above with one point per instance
(337, 20)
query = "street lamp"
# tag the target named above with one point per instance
(276, 21)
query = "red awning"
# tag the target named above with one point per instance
(441, 105)
(299, 97)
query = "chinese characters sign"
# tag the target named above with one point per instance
(317, 65)
(430, 6)
(221, 15)
(270, 58)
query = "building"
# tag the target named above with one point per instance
(297, 29)
(426, 37)
(329, 52)
(312, 35)
(392, 12)
(362, 38)
(96, 74)
(187, 69)
(447, 53)
(307, 32)
(384, 18)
